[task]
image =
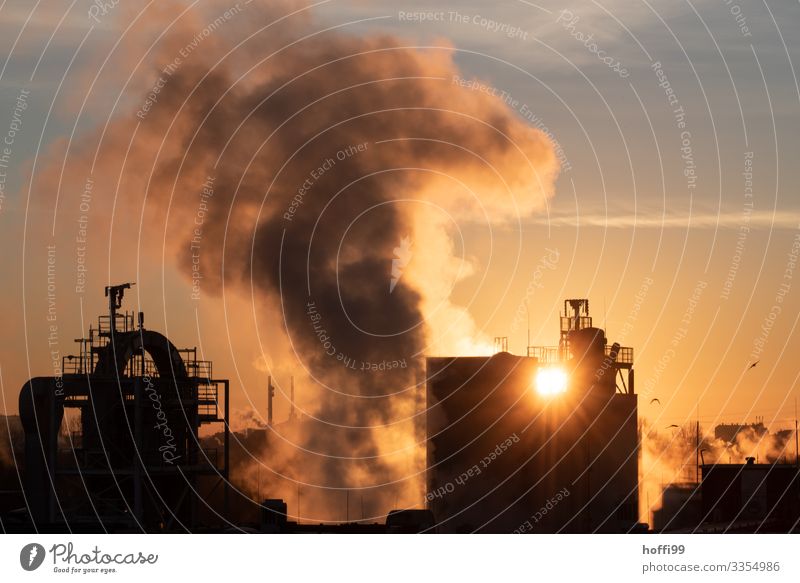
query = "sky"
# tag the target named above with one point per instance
(675, 210)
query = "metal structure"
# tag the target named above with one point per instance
(129, 457)
(576, 328)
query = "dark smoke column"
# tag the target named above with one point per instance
(337, 168)
(346, 141)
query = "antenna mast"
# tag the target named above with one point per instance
(528, 315)
(292, 413)
(270, 394)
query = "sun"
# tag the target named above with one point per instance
(550, 381)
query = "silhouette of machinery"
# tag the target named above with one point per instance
(128, 455)
(592, 361)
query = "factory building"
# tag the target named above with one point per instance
(733, 498)
(750, 497)
(540, 443)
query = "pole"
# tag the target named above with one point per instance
(270, 392)
(226, 453)
(137, 461)
(291, 408)
(697, 452)
(697, 444)
(528, 314)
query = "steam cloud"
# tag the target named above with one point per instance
(310, 157)
(670, 458)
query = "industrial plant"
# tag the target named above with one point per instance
(133, 461)
(548, 442)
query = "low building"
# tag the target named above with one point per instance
(751, 497)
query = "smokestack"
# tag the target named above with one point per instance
(292, 413)
(697, 450)
(270, 395)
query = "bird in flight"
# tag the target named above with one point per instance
(654, 401)
(753, 365)
(671, 426)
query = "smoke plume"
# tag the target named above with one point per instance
(671, 457)
(292, 163)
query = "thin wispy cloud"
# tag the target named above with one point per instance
(657, 220)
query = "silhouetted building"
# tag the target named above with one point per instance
(540, 443)
(133, 460)
(750, 497)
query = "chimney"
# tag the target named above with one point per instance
(292, 413)
(270, 394)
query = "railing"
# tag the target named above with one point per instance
(207, 401)
(77, 364)
(84, 362)
(138, 367)
(200, 369)
(624, 356)
(568, 324)
(545, 354)
(124, 323)
(555, 355)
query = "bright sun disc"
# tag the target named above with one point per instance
(551, 381)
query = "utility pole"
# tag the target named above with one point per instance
(796, 451)
(697, 452)
(697, 445)
(270, 394)
(528, 315)
(292, 413)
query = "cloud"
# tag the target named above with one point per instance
(654, 220)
